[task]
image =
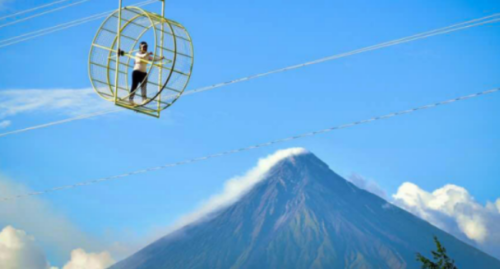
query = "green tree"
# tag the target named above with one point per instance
(441, 259)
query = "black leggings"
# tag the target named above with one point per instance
(139, 78)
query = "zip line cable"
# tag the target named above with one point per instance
(48, 30)
(32, 9)
(234, 151)
(45, 31)
(343, 55)
(43, 13)
(448, 29)
(81, 117)
(91, 18)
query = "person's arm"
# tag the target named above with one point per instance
(155, 59)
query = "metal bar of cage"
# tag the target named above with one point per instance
(161, 55)
(103, 66)
(117, 75)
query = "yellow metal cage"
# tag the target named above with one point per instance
(110, 71)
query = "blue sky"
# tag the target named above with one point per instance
(458, 144)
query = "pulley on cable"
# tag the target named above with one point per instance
(141, 60)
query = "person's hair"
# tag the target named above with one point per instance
(144, 43)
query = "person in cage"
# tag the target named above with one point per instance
(140, 73)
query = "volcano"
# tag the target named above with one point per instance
(303, 215)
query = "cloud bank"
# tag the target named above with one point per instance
(20, 251)
(37, 217)
(69, 101)
(5, 124)
(367, 185)
(451, 208)
(83, 260)
(477, 222)
(454, 210)
(63, 101)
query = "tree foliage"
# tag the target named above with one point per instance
(441, 259)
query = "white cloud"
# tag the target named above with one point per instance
(494, 207)
(450, 208)
(454, 210)
(65, 101)
(83, 260)
(20, 251)
(237, 186)
(5, 124)
(37, 217)
(367, 185)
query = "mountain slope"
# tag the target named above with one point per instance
(303, 215)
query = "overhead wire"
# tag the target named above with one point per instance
(81, 117)
(441, 31)
(42, 13)
(27, 36)
(444, 30)
(32, 9)
(49, 30)
(248, 148)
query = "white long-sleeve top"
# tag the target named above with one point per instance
(140, 61)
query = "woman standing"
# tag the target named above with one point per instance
(140, 73)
